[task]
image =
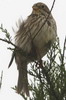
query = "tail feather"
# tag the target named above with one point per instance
(22, 85)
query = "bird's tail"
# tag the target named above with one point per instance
(22, 85)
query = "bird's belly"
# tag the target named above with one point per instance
(44, 40)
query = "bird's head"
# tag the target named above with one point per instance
(40, 8)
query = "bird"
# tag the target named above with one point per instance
(35, 36)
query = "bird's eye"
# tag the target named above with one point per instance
(42, 6)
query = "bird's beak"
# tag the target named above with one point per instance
(35, 8)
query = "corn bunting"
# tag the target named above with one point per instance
(35, 38)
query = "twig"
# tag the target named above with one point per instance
(1, 79)
(9, 42)
(16, 48)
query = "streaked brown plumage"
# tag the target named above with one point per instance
(35, 45)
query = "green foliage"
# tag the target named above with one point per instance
(8, 37)
(50, 77)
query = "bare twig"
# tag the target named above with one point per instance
(16, 48)
(9, 42)
(1, 79)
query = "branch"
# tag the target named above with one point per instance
(16, 49)
(9, 42)
(1, 79)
